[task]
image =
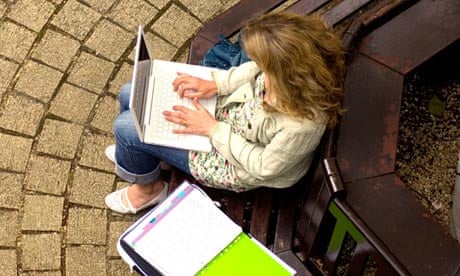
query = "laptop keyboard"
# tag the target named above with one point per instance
(165, 89)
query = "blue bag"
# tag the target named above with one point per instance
(225, 54)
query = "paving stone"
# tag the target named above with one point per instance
(31, 13)
(123, 76)
(131, 14)
(16, 154)
(41, 251)
(38, 80)
(90, 187)
(86, 226)
(56, 50)
(91, 72)
(116, 229)
(16, 41)
(29, 111)
(106, 35)
(117, 267)
(9, 262)
(86, 260)
(11, 190)
(100, 5)
(93, 152)
(9, 228)
(7, 72)
(42, 273)
(3, 8)
(106, 112)
(73, 103)
(54, 181)
(183, 57)
(59, 138)
(158, 3)
(159, 48)
(76, 19)
(174, 23)
(203, 9)
(42, 213)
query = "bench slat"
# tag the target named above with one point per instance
(260, 218)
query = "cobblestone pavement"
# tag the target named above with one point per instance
(62, 63)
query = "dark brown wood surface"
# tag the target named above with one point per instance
(366, 145)
(414, 36)
(405, 226)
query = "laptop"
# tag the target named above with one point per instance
(152, 93)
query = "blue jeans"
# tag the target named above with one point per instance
(137, 162)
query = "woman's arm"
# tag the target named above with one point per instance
(288, 147)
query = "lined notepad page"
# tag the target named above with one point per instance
(184, 233)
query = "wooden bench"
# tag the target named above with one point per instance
(309, 225)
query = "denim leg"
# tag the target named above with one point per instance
(124, 96)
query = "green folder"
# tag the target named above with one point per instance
(245, 256)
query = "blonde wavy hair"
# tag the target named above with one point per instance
(303, 60)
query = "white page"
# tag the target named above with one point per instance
(185, 236)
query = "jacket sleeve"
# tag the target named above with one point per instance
(229, 80)
(288, 147)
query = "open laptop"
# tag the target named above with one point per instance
(152, 93)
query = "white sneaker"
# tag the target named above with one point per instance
(115, 201)
(110, 153)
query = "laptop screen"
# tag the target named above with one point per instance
(139, 83)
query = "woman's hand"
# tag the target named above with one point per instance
(199, 121)
(193, 87)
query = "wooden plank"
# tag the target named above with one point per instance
(233, 19)
(307, 6)
(198, 49)
(401, 222)
(260, 217)
(343, 10)
(291, 259)
(359, 259)
(415, 35)
(366, 144)
(285, 222)
(235, 207)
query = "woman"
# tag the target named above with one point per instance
(271, 115)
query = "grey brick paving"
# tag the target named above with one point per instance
(30, 112)
(62, 64)
(9, 227)
(93, 151)
(59, 138)
(38, 80)
(56, 49)
(82, 103)
(132, 13)
(42, 213)
(76, 19)
(106, 111)
(91, 72)
(31, 13)
(16, 41)
(173, 30)
(53, 182)
(41, 251)
(6, 73)
(11, 190)
(89, 187)
(86, 226)
(9, 262)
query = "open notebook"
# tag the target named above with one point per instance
(188, 234)
(152, 93)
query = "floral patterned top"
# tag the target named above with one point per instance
(211, 168)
